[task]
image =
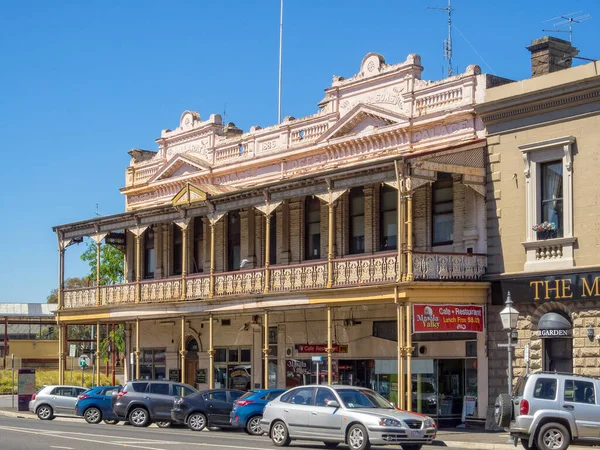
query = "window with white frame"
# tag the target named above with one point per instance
(549, 212)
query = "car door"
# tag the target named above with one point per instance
(297, 412)
(160, 400)
(579, 398)
(217, 407)
(325, 421)
(60, 399)
(105, 401)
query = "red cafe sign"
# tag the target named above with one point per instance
(320, 348)
(443, 318)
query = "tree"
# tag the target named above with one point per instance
(114, 342)
(111, 263)
(70, 283)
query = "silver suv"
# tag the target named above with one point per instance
(550, 411)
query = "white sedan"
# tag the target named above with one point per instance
(356, 416)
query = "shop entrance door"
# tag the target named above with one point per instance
(190, 372)
(450, 387)
(558, 355)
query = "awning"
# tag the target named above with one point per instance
(554, 325)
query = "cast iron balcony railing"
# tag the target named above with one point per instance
(378, 268)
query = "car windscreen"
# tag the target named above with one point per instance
(363, 398)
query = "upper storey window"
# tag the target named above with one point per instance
(233, 240)
(443, 210)
(312, 228)
(357, 220)
(388, 205)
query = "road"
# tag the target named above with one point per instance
(33, 434)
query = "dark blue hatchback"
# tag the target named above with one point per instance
(247, 410)
(95, 405)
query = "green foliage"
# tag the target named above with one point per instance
(111, 263)
(70, 283)
(47, 377)
(116, 336)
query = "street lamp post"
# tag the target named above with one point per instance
(509, 317)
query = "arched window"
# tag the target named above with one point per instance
(149, 262)
(356, 201)
(443, 210)
(388, 206)
(312, 228)
(233, 240)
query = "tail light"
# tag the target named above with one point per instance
(82, 397)
(524, 408)
(243, 402)
(121, 394)
(34, 396)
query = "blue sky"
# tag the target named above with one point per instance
(83, 82)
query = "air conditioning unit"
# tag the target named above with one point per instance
(289, 351)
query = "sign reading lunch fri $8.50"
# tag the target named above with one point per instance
(444, 318)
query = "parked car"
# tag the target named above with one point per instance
(95, 405)
(550, 411)
(142, 402)
(356, 416)
(210, 408)
(247, 410)
(53, 400)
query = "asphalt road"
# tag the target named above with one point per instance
(33, 434)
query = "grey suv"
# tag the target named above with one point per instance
(550, 411)
(145, 401)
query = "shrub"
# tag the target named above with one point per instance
(46, 377)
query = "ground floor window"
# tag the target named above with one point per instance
(233, 367)
(153, 364)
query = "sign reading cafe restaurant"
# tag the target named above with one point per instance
(444, 318)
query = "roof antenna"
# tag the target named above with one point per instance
(97, 211)
(447, 42)
(568, 19)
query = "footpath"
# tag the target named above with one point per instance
(450, 438)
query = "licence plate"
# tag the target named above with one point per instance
(417, 433)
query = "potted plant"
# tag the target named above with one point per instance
(545, 230)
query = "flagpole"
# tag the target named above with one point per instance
(280, 59)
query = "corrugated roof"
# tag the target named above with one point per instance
(27, 309)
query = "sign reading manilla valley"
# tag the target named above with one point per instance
(444, 318)
(564, 287)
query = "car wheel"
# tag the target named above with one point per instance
(163, 424)
(357, 438)
(139, 417)
(553, 436)
(92, 415)
(196, 422)
(503, 410)
(253, 426)
(331, 444)
(526, 446)
(280, 435)
(45, 412)
(110, 422)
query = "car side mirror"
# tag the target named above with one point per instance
(332, 403)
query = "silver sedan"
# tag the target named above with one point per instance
(353, 415)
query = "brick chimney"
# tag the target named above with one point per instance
(550, 54)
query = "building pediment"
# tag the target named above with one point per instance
(180, 165)
(362, 119)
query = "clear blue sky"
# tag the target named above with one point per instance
(83, 82)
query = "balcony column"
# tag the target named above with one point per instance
(211, 354)
(400, 349)
(409, 237)
(400, 230)
(97, 374)
(184, 225)
(408, 357)
(329, 348)
(98, 240)
(137, 349)
(61, 354)
(213, 218)
(61, 270)
(330, 198)
(267, 209)
(137, 232)
(182, 352)
(266, 350)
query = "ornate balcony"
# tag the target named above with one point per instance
(347, 272)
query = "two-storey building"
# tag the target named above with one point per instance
(543, 214)
(356, 235)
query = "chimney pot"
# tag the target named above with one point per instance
(550, 54)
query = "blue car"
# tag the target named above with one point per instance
(95, 405)
(247, 410)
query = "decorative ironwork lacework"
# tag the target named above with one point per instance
(448, 266)
(79, 298)
(368, 269)
(161, 290)
(246, 282)
(198, 287)
(292, 278)
(115, 294)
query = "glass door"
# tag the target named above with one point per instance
(450, 387)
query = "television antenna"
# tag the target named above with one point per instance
(447, 42)
(568, 20)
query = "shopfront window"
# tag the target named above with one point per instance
(233, 367)
(152, 364)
